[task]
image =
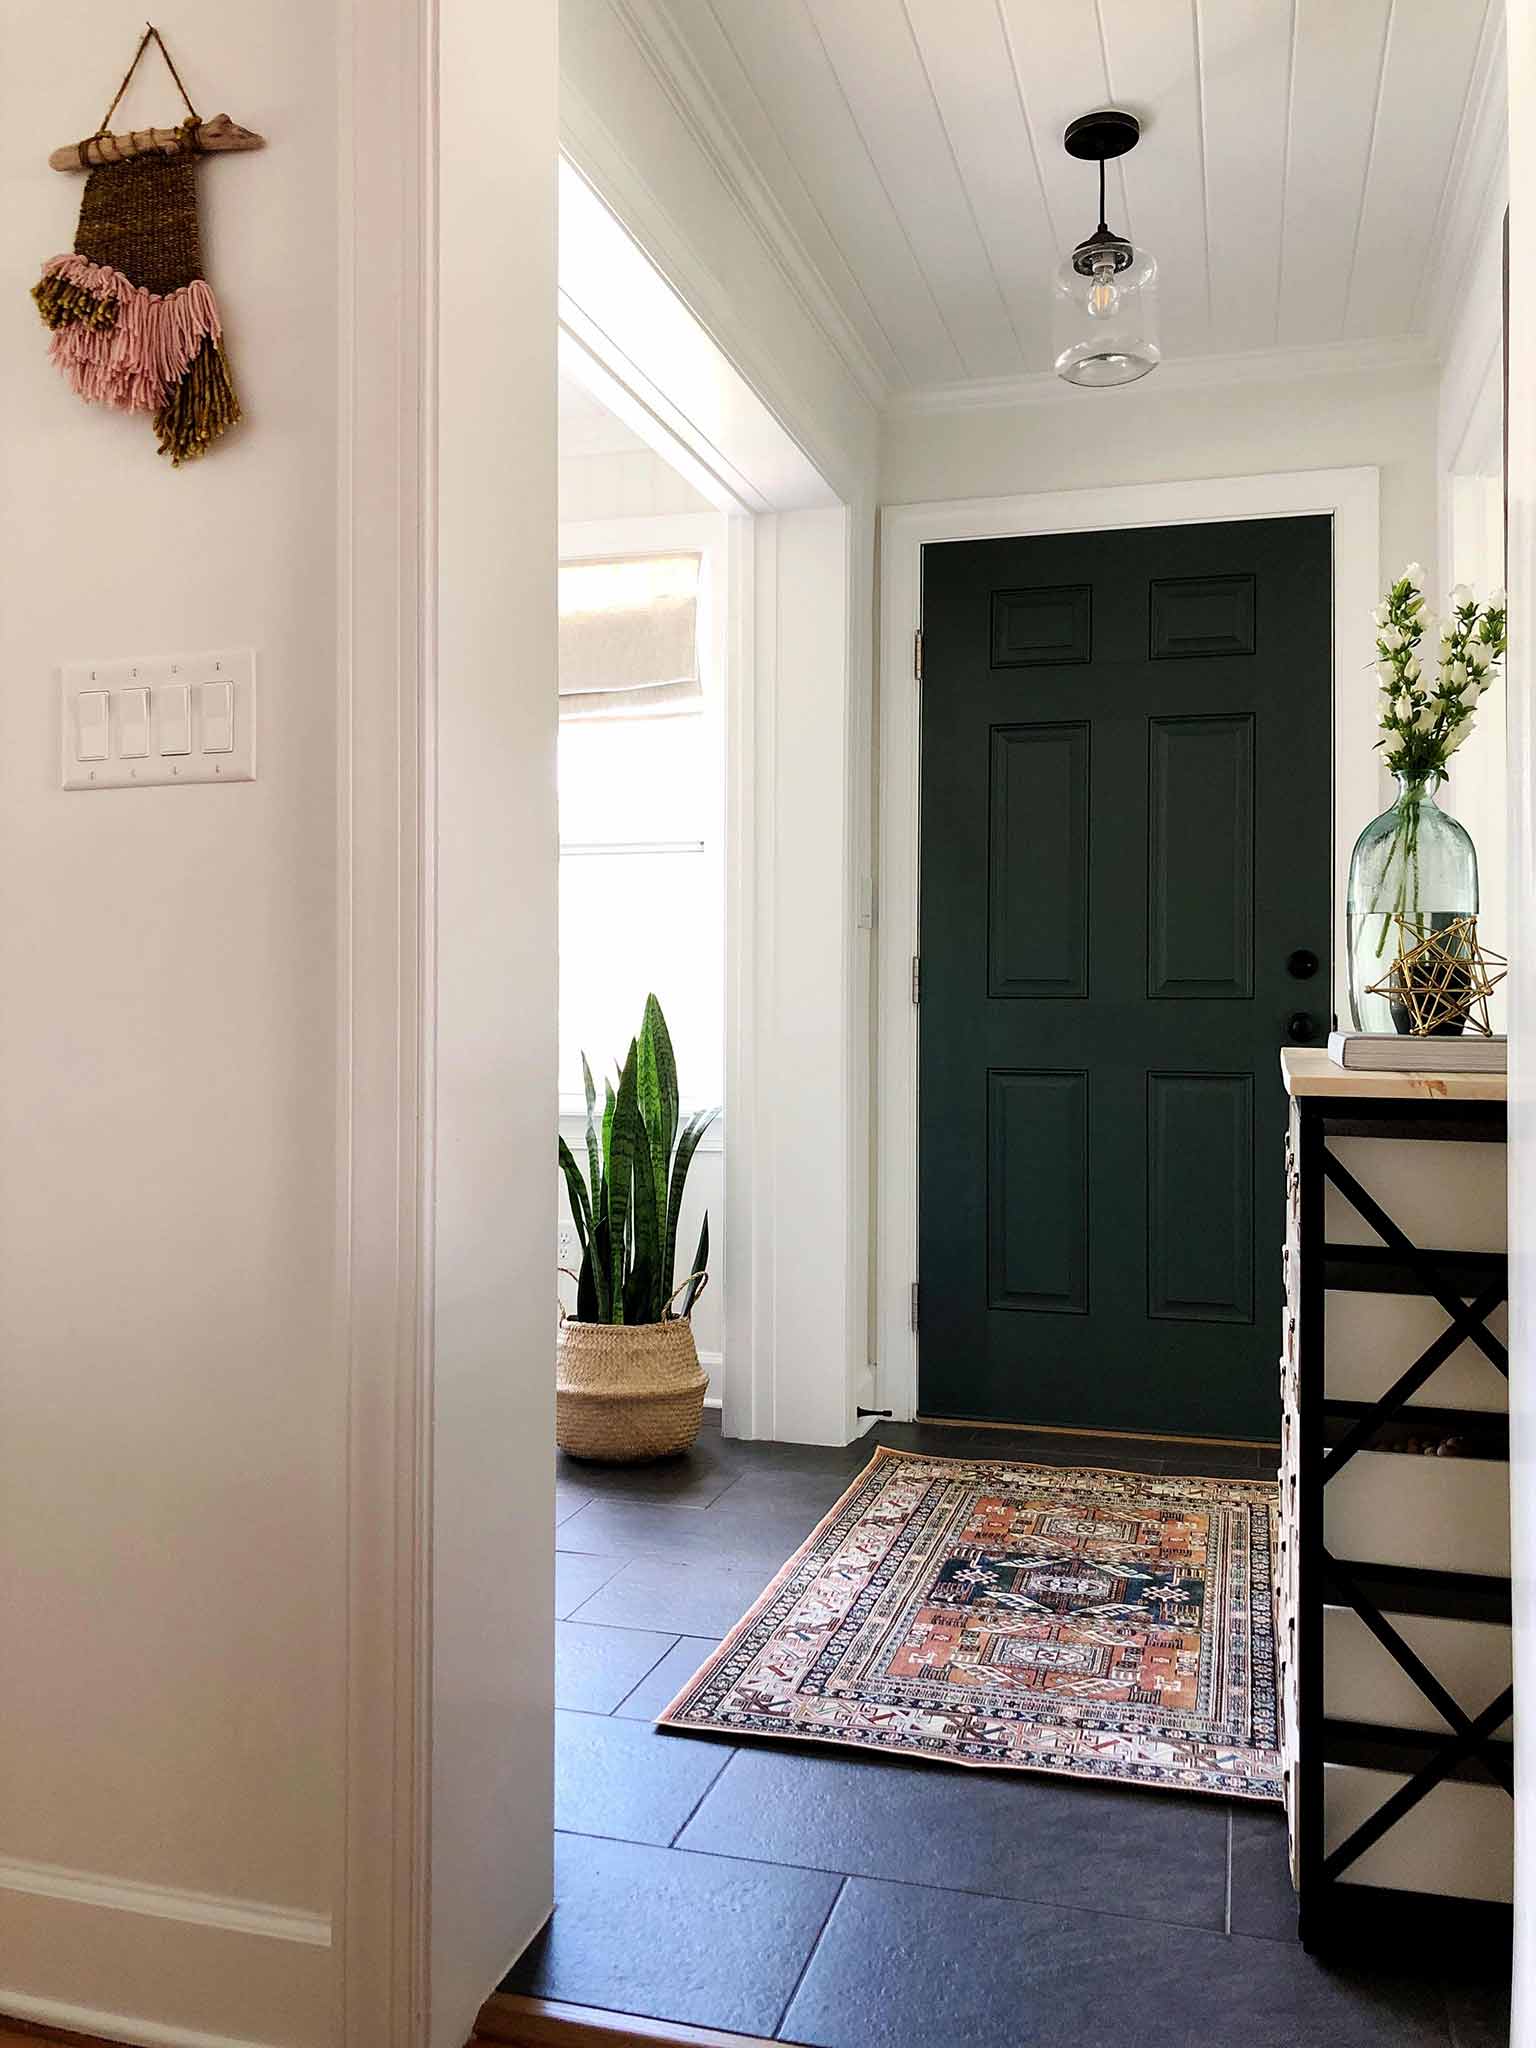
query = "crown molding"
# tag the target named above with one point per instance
(1182, 373)
(664, 49)
(1475, 190)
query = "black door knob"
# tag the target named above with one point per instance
(1302, 964)
(1302, 1028)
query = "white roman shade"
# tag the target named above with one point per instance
(629, 637)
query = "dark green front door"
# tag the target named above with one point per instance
(1126, 864)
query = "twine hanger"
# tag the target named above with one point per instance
(151, 35)
(193, 137)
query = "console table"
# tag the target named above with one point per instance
(1393, 1601)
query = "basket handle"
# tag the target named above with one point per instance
(703, 1280)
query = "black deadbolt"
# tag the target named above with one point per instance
(1302, 1028)
(1302, 964)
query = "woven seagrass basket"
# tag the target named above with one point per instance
(625, 1392)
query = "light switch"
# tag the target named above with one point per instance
(147, 721)
(133, 724)
(91, 725)
(173, 701)
(218, 708)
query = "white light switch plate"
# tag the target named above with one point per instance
(174, 753)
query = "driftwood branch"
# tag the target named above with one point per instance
(208, 137)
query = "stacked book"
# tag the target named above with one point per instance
(1388, 1052)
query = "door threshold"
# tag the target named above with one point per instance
(522, 2022)
(1128, 1436)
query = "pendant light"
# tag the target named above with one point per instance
(1106, 290)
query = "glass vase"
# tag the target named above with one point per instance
(1412, 862)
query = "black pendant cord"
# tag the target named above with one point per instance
(1103, 224)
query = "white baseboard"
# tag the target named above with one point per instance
(161, 1902)
(111, 2026)
(711, 1362)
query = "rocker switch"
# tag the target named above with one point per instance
(133, 723)
(91, 725)
(218, 707)
(175, 708)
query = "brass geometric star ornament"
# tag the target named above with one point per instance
(1441, 978)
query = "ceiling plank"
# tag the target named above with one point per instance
(1151, 51)
(1245, 87)
(783, 55)
(720, 66)
(1431, 50)
(1339, 53)
(875, 55)
(965, 53)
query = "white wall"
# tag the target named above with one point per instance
(635, 484)
(170, 1402)
(1076, 440)
(492, 1478)
(182, 1481)
(679, 187)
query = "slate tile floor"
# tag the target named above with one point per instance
(846, 1901)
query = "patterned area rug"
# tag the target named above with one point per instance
(1086, 1623)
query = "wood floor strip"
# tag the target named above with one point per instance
(1129, 1436)
(520, 2022)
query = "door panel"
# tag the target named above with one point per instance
(1127, 761)
(1037, 1192)
(1037, 861)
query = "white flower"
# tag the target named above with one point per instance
(1447, 630)
(1405, 710)
(1458, 736)
(1411, 669)
(1456, 677)
(1387, 671)
(1425, 719)
(1414, 574)
(1391, 637)
(1461, 595)
(1496, 598)
(1381, 614)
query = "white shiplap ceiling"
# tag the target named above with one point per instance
(1294, 178)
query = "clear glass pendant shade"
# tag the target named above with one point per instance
(1105, 318)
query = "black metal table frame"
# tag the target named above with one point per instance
(1467, 1744)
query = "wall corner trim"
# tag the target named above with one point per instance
(165, 1902)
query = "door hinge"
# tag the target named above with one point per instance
(917, 656)
(914, 1304)
(917, 979)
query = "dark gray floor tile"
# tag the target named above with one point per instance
(900, 1966)
(694, 1939)
(568, 1498)
(595, 1667)
(660, 1687)
(1151, 1855)
(1479, 2012)
(693, 1479)
(621, 1778)
(577, 1578)
(689, 1599)
(809, 1494)
(729, 1532)
(1263, 1900)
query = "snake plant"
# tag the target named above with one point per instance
(627, 1206)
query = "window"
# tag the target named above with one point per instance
(641, 798)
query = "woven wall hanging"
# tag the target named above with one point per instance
(135, 325)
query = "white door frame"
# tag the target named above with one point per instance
(795, 1359)
(1348, 496)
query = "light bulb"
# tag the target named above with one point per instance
(1103, 293)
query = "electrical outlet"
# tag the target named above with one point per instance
(565, 1247)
